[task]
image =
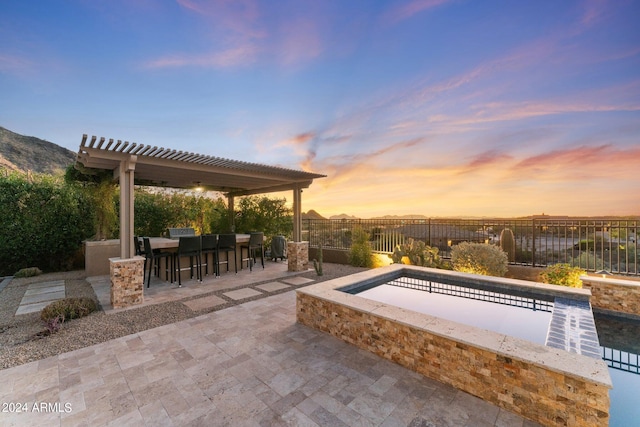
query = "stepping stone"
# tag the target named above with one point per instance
(43, 296)
(32, 308)
(39, 295)
(242, 293)
(297, 280)
(272, 286)
(202, 303)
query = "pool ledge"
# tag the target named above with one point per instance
(542, 383)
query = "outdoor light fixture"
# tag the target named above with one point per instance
(603, 273)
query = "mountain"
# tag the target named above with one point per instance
(343, 216)
(401, 217)
(312, 215)
(28, 153)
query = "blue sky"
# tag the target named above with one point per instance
(433, 107)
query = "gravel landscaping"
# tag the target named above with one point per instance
(24, 339)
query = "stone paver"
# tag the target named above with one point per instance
(272, 286)
(247, 365)
(297, 280)
(204, 302)
(242, 293)
(39, 295)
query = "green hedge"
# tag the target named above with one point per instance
(43, 223)
(45, 218)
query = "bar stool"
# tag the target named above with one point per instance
(153, 258)
(190, 246)
(227, 244)
(210, 246)
(256, 242)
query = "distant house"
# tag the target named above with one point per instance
(442, 236)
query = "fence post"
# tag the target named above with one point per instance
(533, 242)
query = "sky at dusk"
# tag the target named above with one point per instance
(432, 107)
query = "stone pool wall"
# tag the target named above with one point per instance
(614, 296)
(543, 384)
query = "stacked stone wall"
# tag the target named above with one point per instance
(614, 295)
(127, 284)
(297, 256)
(547, 397)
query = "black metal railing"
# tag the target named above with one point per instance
(593, 244)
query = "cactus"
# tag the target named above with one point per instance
(508, 244)
(317, 264)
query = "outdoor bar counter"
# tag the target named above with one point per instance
(97, 253)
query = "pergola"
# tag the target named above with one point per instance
(134, 163)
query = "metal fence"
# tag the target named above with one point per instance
(592, 244)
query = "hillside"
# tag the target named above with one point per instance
(23, 153)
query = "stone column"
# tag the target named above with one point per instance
(298, 255)
(127, 283)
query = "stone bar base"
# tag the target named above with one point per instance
(127, 284)
(298, 255)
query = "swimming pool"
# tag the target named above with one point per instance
(525, 317)
(563, 382)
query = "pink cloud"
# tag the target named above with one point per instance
(235, 56)
(584, 162)
(14, 64)
(407, 10)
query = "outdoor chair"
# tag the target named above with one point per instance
(210, 246)
(256, 242)
(227, 244)
(153, 258)
(138, 246)
(189, 246)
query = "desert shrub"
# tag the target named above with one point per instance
(68, 309)
(587, 260)
(361, 254)
(563, 274)
(416, 252)
(28, 272)
(479, 258)
(508, 244)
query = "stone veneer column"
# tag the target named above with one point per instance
(298, 255)
(127, 282)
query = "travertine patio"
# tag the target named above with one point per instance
(247, 365)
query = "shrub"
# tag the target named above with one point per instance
(68, 309)
(563, 274)
(28, 272)
(414, 252)
(43, 223)
(508, 244)
(361, 254)
(479, 258)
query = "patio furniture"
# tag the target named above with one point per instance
(256, 242)
(137, 244)
(210, 246)
(227, 244)
(278, 247)
(153, 258)
(189, 246)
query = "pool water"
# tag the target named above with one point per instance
(620, 344)
(516, 316)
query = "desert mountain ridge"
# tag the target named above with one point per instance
(28, 153)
